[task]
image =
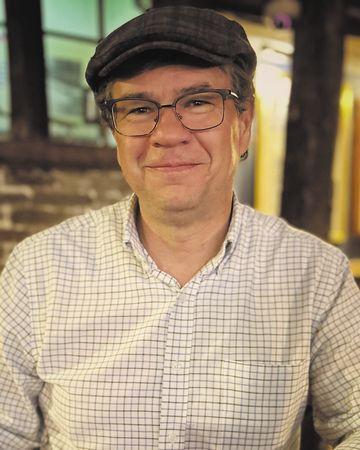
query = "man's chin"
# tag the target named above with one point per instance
(176, 203)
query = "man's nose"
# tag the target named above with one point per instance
(169, 129)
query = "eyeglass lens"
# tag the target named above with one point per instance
(197, 111)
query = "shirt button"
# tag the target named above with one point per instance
(172, 436)
(178, 365)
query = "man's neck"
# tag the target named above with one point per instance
(180, 245)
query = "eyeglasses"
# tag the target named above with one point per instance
(196, 111)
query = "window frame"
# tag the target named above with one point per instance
(28, 142)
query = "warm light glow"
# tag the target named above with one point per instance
(341, 171)
(273, 86)
(355, 267)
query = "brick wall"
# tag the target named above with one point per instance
(34, 199)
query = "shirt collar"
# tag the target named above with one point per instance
(235, 224)
(130, 234)
(231, 237)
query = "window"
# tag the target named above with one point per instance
(71, 30)
(74, 18)
(118, 12)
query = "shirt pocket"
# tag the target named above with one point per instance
(265, 401)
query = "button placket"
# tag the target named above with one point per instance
(175, 386)
(178, 365)
(173, 436)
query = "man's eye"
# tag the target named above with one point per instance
(197, 102)
(140, 110)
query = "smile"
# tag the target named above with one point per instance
(173, 167)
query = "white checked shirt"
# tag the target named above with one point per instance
(101, 350)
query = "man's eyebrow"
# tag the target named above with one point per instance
(149, 96)
(130, 95)
(194, 88)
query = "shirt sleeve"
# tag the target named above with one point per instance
(20, 417)
(335, 366)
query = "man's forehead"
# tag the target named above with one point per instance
(175, 79)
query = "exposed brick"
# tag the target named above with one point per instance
(97, 180)
(112, 195)
(34, 228)
(19, 189)
(12, 235)
(33, 176)
(75, 210)
(5, 215)
(37, 216)
(12, 198)
(4, 171)
(61, 199)
(34, 199)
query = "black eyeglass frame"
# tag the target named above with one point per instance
(225, 95)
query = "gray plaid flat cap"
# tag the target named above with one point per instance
(198, 32)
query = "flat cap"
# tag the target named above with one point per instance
(198, 32)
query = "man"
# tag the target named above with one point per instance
(177, 319)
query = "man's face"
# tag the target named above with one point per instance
(175, 169)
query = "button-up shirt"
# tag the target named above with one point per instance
(102, 350)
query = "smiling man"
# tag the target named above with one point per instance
(177, 318)
(182, 165)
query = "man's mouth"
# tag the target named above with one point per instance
(173, 167)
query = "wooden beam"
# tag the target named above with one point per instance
(53, 155)
(313, 114)
(254, 7)
(27, 71)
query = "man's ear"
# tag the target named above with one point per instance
(245, 121)
(246, 117)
